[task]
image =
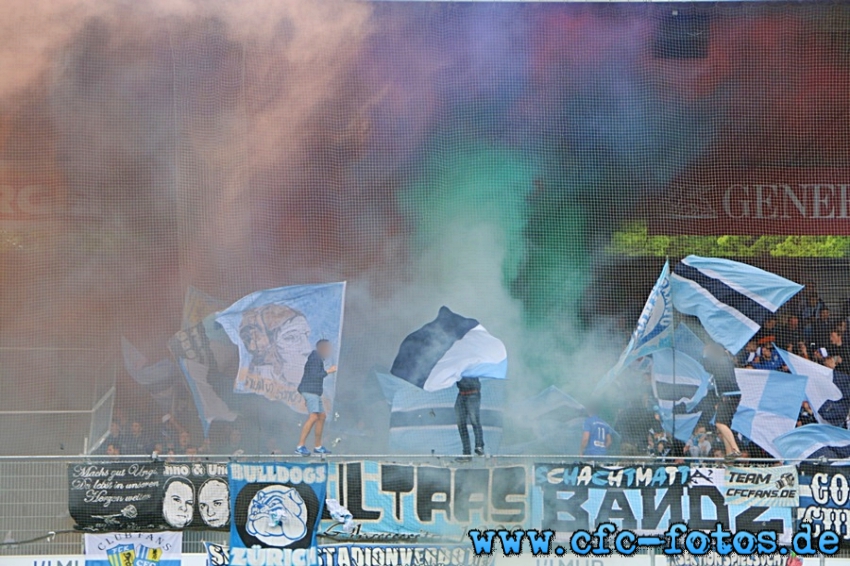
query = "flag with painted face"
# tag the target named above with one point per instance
(276, 330)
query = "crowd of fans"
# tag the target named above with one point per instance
(131, 437)
(806, 327)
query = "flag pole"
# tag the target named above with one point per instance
(673, 347)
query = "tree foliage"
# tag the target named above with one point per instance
(634, 240)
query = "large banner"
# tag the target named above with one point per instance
(134, 549)
(149, 495)
(116, 496)
(277, 508)
(763, 487)
(645, 499)
(825, 503)
(422, 501)
(276, 330)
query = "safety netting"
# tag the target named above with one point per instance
(528, 165)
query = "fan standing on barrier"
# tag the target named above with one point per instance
(468, 411)
(449, 351)
(720, 365)
(312, 388)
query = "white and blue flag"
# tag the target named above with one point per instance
(814, 441)
(652, 331)
(423, 422)
(827, 391)
(731, 299)
(769, 407)
(678, 379)
(447, 349)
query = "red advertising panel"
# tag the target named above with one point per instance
(760, 201)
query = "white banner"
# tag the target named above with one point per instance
(134, 549)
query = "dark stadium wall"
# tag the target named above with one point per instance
(472, 155)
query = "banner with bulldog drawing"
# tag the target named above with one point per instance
(276, 512)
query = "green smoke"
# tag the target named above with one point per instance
(481, 218)
(471, 185)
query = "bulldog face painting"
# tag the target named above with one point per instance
(277, 516)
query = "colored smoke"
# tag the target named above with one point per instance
(472, 155)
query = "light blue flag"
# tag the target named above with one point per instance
(653, 331)
(684, 340)
(827, 391)
(681, 426)
(731, 299)
(803, 442)
(210, 406)
(769, 407)
(677, 379)
(276, 330)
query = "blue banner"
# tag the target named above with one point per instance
(645, 499)
(430, 502)
(276, 512)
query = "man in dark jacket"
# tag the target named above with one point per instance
(719, 364)
(311, 388)
(468, 411)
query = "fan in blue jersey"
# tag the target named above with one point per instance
(596, 436)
